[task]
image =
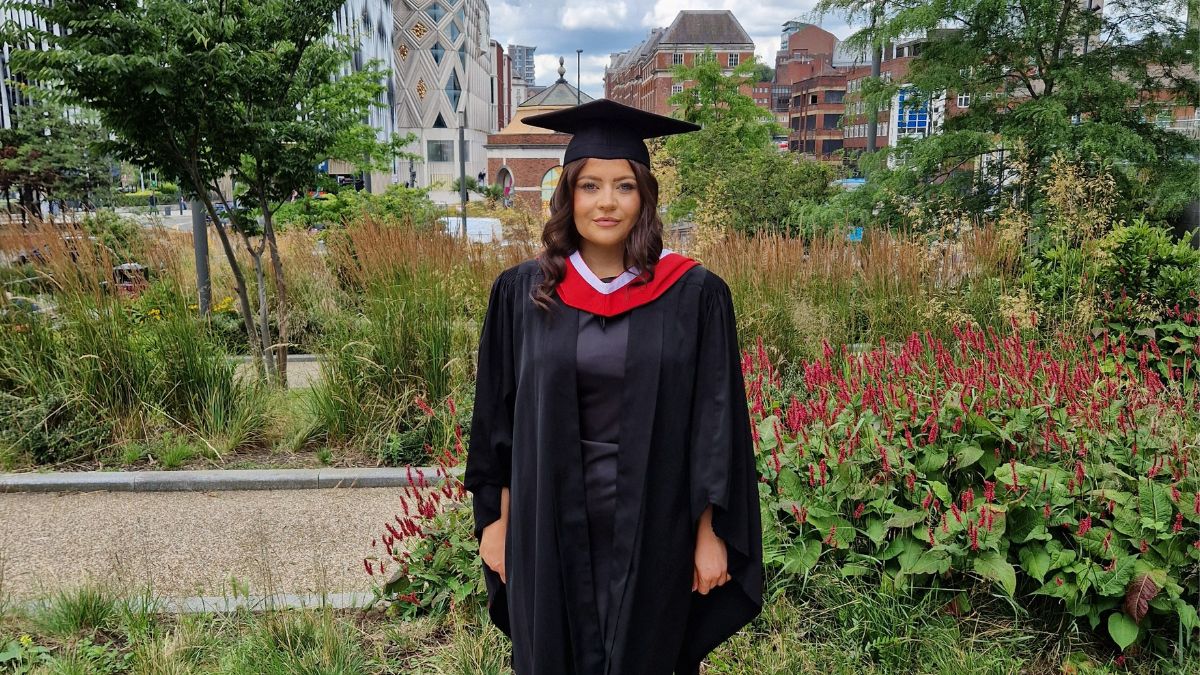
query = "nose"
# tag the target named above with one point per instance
(608, 198)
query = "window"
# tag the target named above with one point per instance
(795, 124)
(964, 100)
(831, 121)
(436, 12)
(437, 51)
(440, 151)
(454, 31)
(834, 96)
(676, 89)
(829, 146)
(453, 90)
(439, 122)
(812, 99)
(677, 59)
(734, 59)
(810, 122)
(706, 57)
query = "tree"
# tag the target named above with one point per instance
(734, 130)
(210, 88)
(48, 152)
(1041, 77)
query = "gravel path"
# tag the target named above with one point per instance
(191, 543)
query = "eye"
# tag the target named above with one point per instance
(587, 185)
(627, 187)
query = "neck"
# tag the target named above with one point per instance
(603, 261)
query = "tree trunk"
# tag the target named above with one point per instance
(281, 298)
(264, 325)
(239, 279)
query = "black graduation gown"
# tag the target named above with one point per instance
(685, 443)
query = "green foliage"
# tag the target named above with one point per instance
(1035, 469)
(765, 192)
(1151, 297)
(286, 642)
(82, 611)
(1035, 92)
(709, 166)
(398, 204)
(122, 236)
(51, 152)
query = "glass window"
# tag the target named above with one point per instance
(454, 31)
(549, 183)
(436, 11)
(676, 88)
(453, 90)
(734, 59)
(677, 59)
(437, 51)
(440, 151)
(834, 96)
(964, 100)
(831, 121)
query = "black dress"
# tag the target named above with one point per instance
(600, 356)
(683, 433)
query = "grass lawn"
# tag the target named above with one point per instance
(840, 627)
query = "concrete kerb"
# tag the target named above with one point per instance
(219, 479)
(252, 603)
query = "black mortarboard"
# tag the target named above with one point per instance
(605, 129)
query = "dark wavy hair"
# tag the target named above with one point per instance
(560, 239)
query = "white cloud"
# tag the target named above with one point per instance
(592, 15)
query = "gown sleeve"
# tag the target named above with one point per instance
(489, 452)
(723, 474)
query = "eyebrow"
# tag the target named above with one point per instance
(590, 177)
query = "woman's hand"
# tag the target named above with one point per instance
(491, 540)
(712, 562)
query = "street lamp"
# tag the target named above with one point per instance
(578, 54)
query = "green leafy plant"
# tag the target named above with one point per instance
(430, 547)
(1048, 471)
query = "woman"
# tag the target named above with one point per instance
(611, 462)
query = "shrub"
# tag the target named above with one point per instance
(1151, 295)
(432, 542)
(1062, 473)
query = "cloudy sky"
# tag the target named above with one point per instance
(601, 27)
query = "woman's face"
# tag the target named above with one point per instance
(606, 202)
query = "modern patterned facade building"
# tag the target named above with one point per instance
(11, 96)
(369, 23)
(643, 76)
(443, 80)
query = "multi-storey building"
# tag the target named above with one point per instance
(502, 86)
(369, 23)
(816, 115)
(643, 76)
(443, 78)
(12, 98)
(522, 63)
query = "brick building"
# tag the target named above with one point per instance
(642, 76)
(502, 86)
(818, 103)
(526, 160)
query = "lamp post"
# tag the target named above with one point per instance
(462, 168)
(578, 55)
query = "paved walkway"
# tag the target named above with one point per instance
(192, 543)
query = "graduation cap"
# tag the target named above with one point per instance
(605, 129)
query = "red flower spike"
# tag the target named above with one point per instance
(1178, 526)
(1085, 525)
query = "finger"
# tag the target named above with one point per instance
(503, 576)
(695, 579)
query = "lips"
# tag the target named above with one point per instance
(606, 222)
